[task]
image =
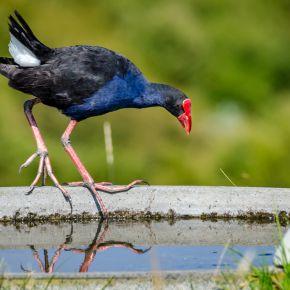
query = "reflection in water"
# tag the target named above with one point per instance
(93, 247)
(96, 246)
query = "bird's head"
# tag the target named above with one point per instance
(172, 99)
(179, 105)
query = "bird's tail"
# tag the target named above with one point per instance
(25, 48)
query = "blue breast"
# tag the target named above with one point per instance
(120, 92)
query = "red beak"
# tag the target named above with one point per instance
(185, 118)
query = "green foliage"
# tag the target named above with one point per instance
(230, 57)
(263, 277)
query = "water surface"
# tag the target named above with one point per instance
(121, 247)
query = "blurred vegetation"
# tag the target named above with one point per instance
(231, 57)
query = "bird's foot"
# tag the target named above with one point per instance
(108, 186)
(44, 169)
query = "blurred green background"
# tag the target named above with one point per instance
(231, 57)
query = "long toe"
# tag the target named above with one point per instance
(44, 168)
(28, 161)
(117, 189)
(40, 172)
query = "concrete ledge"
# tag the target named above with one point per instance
(162, 201)
(106, 275)
(131, 280)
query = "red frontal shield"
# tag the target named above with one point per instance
(185, 118)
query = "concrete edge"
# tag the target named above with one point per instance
(116, 275)
(143, 202)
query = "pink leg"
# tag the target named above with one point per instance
(91, 252)
(101, 186)
(98, 245)
(37, 259)
(49, 267)
(44, 163)
(55, 257)
(87, 179)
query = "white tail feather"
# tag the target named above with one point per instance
(21, 54)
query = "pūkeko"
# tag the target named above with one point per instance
(81, 81)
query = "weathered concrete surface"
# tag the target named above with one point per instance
(182, 232)
(180, 200)
(155, 280)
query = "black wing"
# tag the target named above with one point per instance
(71, 75)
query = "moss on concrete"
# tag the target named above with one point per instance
(34, 219)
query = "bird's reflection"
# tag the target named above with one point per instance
(97, 245)
(48, 265)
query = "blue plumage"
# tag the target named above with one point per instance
(129, 91)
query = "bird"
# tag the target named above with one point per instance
(81, 81)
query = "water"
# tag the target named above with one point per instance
(113, 259)
(120, 247)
